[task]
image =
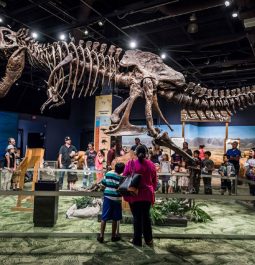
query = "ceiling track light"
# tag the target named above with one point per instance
(86, 32)
(1, 20)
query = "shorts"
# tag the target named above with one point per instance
(172, 181)
(111, 210)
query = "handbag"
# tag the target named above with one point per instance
(130, 184)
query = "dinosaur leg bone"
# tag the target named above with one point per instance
(115, 117)
(158, 110)
(148, 94)
(124, 127)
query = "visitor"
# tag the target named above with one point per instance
(226, 169)
(111, 156)
(195, 175)
(140, 205)
(72, 177)
(11, 141)
(66, 153)
(183, 181)
(112, 202)
(250, 163)
(176, 160)
(99, 165)
(234, 157)
(89, 166)
(186, 149)
(250, 172)
(156, 154)
(9, 168)
(172, 181)
(207, 169)
(251, 177)
(202, 151)
(137, 143)
(165, 167)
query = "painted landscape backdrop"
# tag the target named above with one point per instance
(213, 137)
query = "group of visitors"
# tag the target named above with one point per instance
(92, 165)
(11, 159)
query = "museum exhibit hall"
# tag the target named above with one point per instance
(127, 132)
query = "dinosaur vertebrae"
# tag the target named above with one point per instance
(195, 97)
(86, 63)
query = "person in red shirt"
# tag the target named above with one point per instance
(140, 204)
(111, 155)
(202, 151)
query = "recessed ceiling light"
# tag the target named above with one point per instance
(234, 14)
(163, 55)
(62, 36)
(1, 20)
(86, 32)
(34, 35)
(227, 3)
(132, 44)
(100, 23)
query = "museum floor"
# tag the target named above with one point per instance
(229, 218)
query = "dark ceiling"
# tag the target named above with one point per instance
(221, 54)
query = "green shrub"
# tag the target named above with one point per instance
(198, 215)
(83, 202)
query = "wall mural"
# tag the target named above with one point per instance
(81, 68)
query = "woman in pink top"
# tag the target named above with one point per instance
(99, 165)
(201, 152)
(140, 205)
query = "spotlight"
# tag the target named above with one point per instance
(132, 44)
(86, 32)
(193, 27)
(227, 3)
(1, 20)
(234, 14)
(163, 55)
(100, 22)
(34, 35)
(62, 36)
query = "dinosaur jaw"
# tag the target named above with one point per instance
(13, 71)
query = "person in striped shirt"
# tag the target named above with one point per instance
(112, 202)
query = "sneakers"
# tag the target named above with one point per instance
(100, 239)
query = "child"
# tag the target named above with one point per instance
(165, 168)
(251, 176)
(202, 151)
(176, 160)
(9, 168)
(227, 169)
(72, 177)
(99, 165)
(195, 173)
(183, 180)
(207, 168)
(112, 202)
(172, 181)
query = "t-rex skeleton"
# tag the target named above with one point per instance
(81, 69)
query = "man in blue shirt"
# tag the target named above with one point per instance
(234, 158)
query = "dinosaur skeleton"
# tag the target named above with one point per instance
(82, 69)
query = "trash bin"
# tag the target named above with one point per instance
(46, 208)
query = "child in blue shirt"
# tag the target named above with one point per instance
(112, 202)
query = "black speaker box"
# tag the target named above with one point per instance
(45, 208)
